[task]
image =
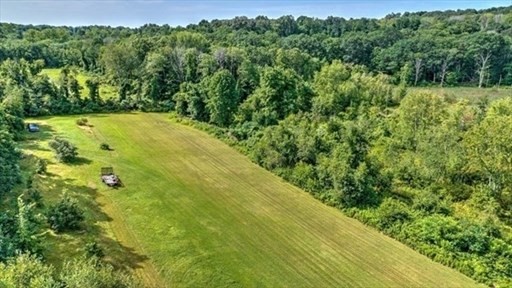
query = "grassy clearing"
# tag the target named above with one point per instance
(470, 93)
(196, 213)
(106, 91)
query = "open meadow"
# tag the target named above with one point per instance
(472, 94)
(106, 91)
(194, 212)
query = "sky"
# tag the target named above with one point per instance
(134, 13)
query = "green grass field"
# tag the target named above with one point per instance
(196, 213)
(470, 93)
(106, 91)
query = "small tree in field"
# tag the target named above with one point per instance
(65, 215)
(82, 121)
(64, 150)
(105, 146)
(41, 166)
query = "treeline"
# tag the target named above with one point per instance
(434, 48)
(25, 92)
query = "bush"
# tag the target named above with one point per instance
(30, 182)
(33, 195)
(94, 273)
(41, 166)
(82, 122)
(92, 249)
(430, 203)
(392, 212)
(26, 270)
(104, 146)
(66, 215)
(29, 271)
(64, 150)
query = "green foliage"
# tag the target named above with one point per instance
(93, 273)
(430, 203)
(92, 249)
(9, 169)
(27, 271)
(222, 99)
(341, 87)
(489, 145)
(27, 228)
(19, 230)
(302, 63)
(32, 194)
(165, 71)
(64, 150)
(93, 86)
(392, 213)
(35, 196)
(105, 146)
(41, 166)
(308, 99)
(12, 110)
(356, 187)
(82, 121)
(120, 62)
(281, 92)
(66, 215)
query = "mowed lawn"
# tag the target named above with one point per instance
(194, 212)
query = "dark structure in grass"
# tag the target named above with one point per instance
(109, 177)
(32, 127)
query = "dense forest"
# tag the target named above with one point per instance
(322, 103)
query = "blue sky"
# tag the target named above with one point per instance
(135, 13)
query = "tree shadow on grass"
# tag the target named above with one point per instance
(78, 161)
(32, 141)
(33, 146)
(46, 132)
(71, 244)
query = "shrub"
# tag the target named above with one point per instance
(82, 121)
(92, 249)
(33, 195)
(65, 215)
(29, 271)
(94, 273)
(41, 166)
(26, 270)
(64, 150)
(392, 212)
(104, 146)
(429, 203)
(30, 182)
